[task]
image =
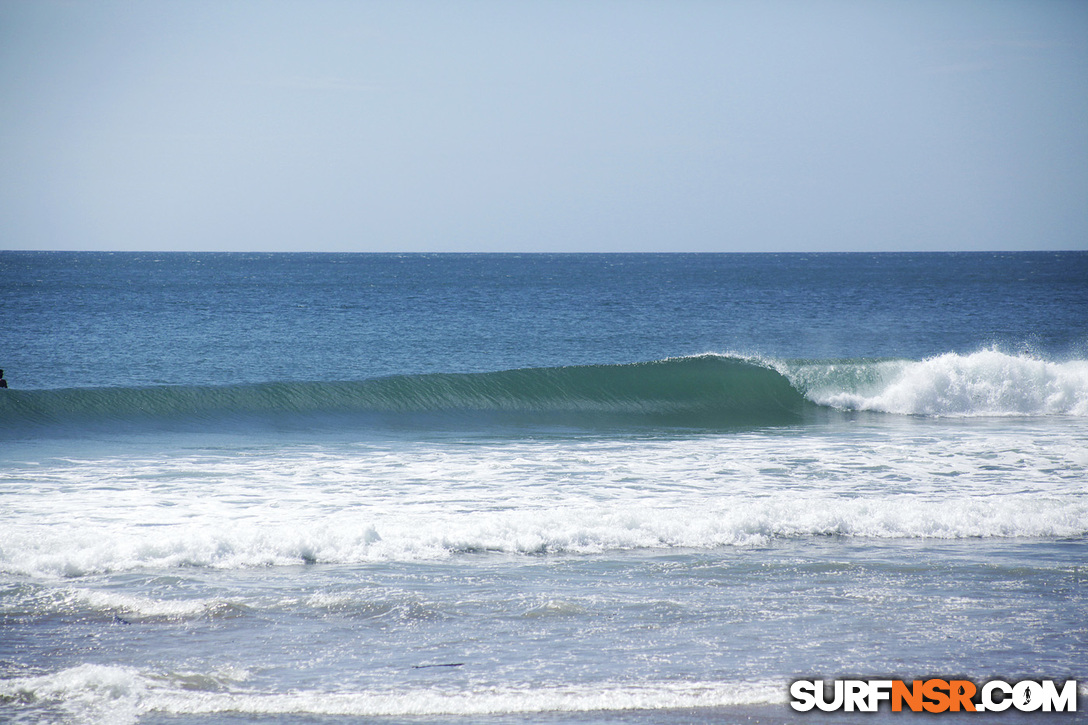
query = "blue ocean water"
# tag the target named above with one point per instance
(533, 488)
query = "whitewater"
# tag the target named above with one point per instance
(490, 488)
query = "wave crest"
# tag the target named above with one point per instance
(984, 383)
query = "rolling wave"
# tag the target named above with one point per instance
(707, 390)
(700, 391)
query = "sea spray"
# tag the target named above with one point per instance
(984, 383)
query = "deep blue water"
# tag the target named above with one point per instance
(96, 319)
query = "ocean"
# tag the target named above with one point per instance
(342, 488)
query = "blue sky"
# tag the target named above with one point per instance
(544, 126)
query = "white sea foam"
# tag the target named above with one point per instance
(114, 695)
(731, 521)
(349, 503)
(488, 701)
(140, 607)
(984, 383)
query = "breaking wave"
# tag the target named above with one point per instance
(700, 391)
(984, 383)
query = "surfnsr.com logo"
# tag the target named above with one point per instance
(933, 695)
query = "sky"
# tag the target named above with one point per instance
(550, 126)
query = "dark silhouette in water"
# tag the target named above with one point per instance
(451, 664)
(3, 383)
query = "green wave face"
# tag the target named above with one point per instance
(706, 391)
